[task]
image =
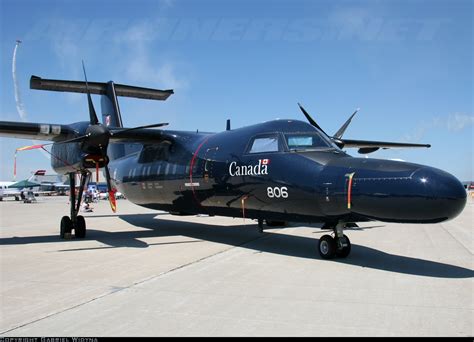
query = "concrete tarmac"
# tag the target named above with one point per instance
(147, 273)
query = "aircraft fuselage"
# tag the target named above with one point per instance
(217, 174)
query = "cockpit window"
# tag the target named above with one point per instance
(305, 141)
(267, 143)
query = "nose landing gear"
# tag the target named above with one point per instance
(339, 245)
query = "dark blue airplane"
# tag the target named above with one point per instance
(277, 171)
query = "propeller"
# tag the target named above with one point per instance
(92, 114)
(365, 146)
(117, 133)
(97, 136)
(110, 190)
(337, 137)
(96, 140)
(310, 119)
(343, 128)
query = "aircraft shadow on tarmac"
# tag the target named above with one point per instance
(248, 237)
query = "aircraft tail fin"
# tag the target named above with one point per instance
(109, 92)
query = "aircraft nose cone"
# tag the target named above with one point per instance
(405, 192)
(445, 195)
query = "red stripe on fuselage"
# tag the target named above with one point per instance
(349, 191)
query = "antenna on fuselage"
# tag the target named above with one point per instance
(227, 127)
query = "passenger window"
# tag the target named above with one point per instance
(268, 143)
(151, 153)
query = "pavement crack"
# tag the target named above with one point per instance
(59, 312)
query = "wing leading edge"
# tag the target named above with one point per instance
(367, 146)
(58, 133)
(36, 131)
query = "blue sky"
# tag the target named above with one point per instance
(407, 64)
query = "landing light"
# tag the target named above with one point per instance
(424, 180)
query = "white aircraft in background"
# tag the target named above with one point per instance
(51, 184)
(5, 191)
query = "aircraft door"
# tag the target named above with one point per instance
(206, 189)
(332, 192)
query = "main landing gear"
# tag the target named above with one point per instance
(76, 222)
(339, 245)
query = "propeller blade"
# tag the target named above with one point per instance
(343, 128)
(78, 139)
(310, 119)
(116, 133)
(112, 200)
(110, 190)
(92, 114)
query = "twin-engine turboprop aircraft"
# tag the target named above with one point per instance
(277, 171)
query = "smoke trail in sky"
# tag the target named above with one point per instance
(19, 104)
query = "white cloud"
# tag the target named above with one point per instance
(132, 50)
(164, 76)
(69, 55)
(140, 68)
(459, 121)
(65, 49)
(454, 122)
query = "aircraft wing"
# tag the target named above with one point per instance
(36, 131)
(57, 133)
(367, 146)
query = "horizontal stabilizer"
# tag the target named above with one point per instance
(98, 88)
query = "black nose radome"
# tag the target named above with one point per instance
(407, 193)
(445, 195)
